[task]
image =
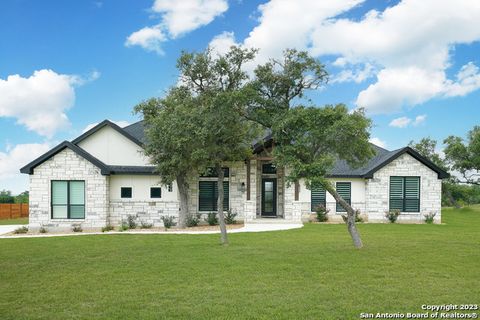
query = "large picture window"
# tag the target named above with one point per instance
(68, 199)
(344, 189)
(405, 194)
(318, 197)
(208, 194)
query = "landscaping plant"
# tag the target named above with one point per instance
(321, 212)
(429, 217)
(212, 219)
(230, 217)
(168, 221)
(392, 215)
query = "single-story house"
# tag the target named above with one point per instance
(102, 177)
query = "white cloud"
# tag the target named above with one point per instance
(419, 120)
(13, 159)
(149, 38)
(176, 19)
(221, 43)
(408, 46)
(401, 122)
(40, 101)
(378, 142)
(120, 123)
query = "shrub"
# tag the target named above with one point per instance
(21, 230)
(77, 228)
(146, 225)
(321, 213)
(392, 215)
(168, 221)
(429, 217)
(43, 230)
(230, 217)
(357, 217)
(211, 218)
(132, 224)
(193, 220)
(123, 226)
(108, 227)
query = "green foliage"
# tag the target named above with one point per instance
(193, 220)
(464, 155)
(146, 225)
(21, 230)
(77, 228)
(429, 217)
(43, 230)
(22, 197)
(230, 216)
(358, 218)
(107, 228)
(392, 215)
(321, 213)
(132, 221)
(6, 197)
(168, 221)
(123, 227)
(212, 218)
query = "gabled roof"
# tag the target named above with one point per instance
(137, 130)
(65, 144)
(105, 123)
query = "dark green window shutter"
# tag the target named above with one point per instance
(318, 197)
(412, 194)
(396, 193)
(208, 193)
(405, 194)
(344, 189)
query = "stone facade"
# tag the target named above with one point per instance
(150, 212)
(377, 190)
(67, 165)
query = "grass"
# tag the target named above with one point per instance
(14, 221)
(309, 273)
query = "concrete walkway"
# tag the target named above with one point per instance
(9, 228)
(257, 227)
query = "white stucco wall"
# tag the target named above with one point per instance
(67, 165)
(141, 185)
(112, 148)
(377, 190)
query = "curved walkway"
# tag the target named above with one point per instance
(257, 227)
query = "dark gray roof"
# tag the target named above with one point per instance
(136, 133)
(136, 130)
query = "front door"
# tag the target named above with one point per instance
(269, 197)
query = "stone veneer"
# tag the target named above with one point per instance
(67, 165)
(377, 190)
(150, 212)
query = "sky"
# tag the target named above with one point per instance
(67, 65)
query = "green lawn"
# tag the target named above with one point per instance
(310, 273)
(14, 221)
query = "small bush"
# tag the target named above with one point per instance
(43, 230)
(146, 225)
(429, 217)
(392, 215)
(123, 226)
(107, 228)
(132, 224)
(357, 217)
(193, 220)
(321, 213)
(77, 228)
(21, 230)
(168, 222)
(230, 217)
(212, 219)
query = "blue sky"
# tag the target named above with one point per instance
(65, 65)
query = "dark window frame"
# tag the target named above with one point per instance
(312, 203)
(155, 197)
(404, 198)
(213, 199)
(269, 168)
(69, 205)
(121, 193)
(338, 207)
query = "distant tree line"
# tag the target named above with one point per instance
(7, 197)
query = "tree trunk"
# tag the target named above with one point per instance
(221, 217)
(352, 228)
(183, 192)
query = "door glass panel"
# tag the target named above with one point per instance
(268, 186)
